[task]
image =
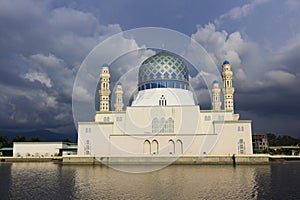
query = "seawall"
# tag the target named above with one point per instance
(154, 159)
(29, 159)
(182, 160)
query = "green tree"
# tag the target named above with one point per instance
(66, 140)
(35, 139)
(19, 139)
(3, 141)
(280, 140)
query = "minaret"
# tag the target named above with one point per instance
(216, 100)
(104, 91)
(227, 90)
(119, 98)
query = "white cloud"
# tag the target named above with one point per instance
(62, 116)
(282, 78)
(51, 102)
(293, 5)
(80, 94)
(39, 77)
(219, 44)
(242, 11)
(240, 75)
(47, 61)
(244, 56)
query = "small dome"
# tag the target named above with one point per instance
(163, 70)
(215, 81)
(105, 65)
(119, 83)
(226, 62)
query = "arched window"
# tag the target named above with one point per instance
(179, 147)
(162, 125)
(87, 147)
(147, 147)
(154, 147)
(169, 127)
(162, 101)
(106, 119)
(166, 128)
(155, 125)
(171, 147)
(241, 146)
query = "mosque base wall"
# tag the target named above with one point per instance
(183, 160)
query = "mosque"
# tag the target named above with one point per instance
(163, 118)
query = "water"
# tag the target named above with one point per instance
(53, 181)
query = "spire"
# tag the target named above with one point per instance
(104, 91)
(227, 90)
(163, 46)
(216, 100)
(119, 98)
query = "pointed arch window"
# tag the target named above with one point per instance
(162, 125)
(171, 147)
(169, 125)
(155, 125)
(87, 147)
(241, 147)
(154, 147)
(147, 147)
(179, 147)
(162, 101)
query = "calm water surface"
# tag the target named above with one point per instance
(53, 181)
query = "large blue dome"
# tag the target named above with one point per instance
(163, 70)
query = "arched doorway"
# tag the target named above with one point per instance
(154, 147)
(179, 147)
(147, 147)
(171, 147)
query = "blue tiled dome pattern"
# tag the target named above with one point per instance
(163, 70)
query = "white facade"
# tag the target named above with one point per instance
(119, 98)
(228, 89)
(104, 91)
(164, 120)
(174, 97)
(39, 149)
(216, 100)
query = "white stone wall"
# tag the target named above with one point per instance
(201, 133)
(36, 149)
(174, 97)
(229, 135)
(94, 138)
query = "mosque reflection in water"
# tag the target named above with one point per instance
(46, 180)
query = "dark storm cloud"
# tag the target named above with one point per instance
(41, 48)
(42, 44)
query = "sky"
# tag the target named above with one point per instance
(43, 44)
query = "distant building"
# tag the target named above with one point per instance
(6, 151)
(260, 143)
(284, 150)
(163, 118)
(43, 149)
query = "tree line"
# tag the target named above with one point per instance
(282, 140)
(4, 142)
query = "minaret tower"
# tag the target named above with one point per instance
(104, 91)
(216, 100)
(119, 98)
(227, 90)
